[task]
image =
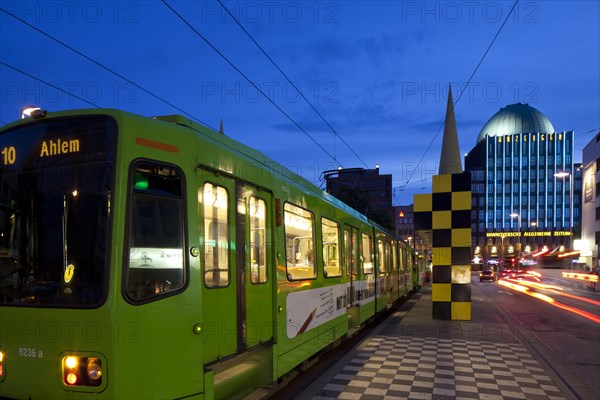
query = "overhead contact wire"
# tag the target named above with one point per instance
(49, 84)
(103, 66)
(461, 93)
(291, 83)
(231, 64)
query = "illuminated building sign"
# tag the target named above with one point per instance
(515, 137)
(502, 234)
(529, 234)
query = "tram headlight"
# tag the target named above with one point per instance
(94, 369)
(81, 371)
(71, 362)
(1, 365)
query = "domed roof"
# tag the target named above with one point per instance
(516, 118)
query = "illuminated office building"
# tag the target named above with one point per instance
(524, 183)
(590, 215)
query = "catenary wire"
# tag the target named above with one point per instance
(231, 64)
(461, 92)
(49, 84)
(586, 132)
(291, 83)
(103, 66)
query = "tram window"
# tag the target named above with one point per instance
(394, 257)
(367, 253)
(216, 236)
(258, 243)
(299, 243)
(350, 242)
(331, 248)
(400, 257)
(381, 256)
(156, 262)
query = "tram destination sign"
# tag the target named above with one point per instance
(78, 140)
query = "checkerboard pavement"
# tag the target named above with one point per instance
(387, 367)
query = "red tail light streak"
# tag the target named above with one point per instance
(523, 287)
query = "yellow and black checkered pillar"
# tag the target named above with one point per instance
(447, 213)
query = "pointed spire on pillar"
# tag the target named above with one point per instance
(450, 160)
(221, 131)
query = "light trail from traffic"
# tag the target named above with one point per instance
(594, 302)
(553, 288)
(522, 287)
(581, 277)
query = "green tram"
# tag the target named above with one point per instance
(154, 258)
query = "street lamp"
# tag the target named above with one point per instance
(564, 174)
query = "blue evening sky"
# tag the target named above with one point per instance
(378, 72)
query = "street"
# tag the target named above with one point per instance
(558, 318)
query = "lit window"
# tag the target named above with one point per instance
(299, 243)
(367, 253)
(381, 256)
(331, 248)
(258, 240)
(216, 236)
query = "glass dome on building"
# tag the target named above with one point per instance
(516, 118)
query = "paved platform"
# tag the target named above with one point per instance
(411, 356)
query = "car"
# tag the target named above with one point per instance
(487, 275)
(507, 273)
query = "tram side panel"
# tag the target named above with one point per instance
(311, 295)
(406, 275)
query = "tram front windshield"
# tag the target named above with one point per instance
(56, 177)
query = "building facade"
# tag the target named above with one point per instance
(524, 184)
(378, 187)
(590, 215)
(404, 225)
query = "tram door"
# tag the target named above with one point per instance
(236, 266)
(350, 257)
(217, 210)
(255, 264)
